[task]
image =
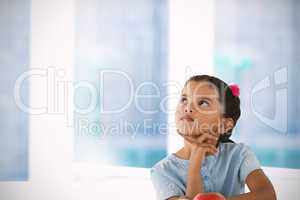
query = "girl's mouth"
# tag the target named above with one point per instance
(187, 118)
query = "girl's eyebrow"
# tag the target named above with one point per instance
(201, 97)
(206, 98)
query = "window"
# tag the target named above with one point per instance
(120, 61)
(14, 59)
(262, 56)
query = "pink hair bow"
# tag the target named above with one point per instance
(235, 90)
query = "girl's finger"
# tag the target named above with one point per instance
(210, 151)
(206, 136)
(206, 132)
(204, 145)
(190, 140)
(205, 141)
(203, 138)
(210, 141)
(209, 147)
(195, 141)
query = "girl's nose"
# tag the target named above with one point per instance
(188, 109)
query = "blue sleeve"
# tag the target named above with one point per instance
(163, 186)
(249, 163)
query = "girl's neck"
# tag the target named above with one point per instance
(184, 152)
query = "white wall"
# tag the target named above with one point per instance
(285, 181)
(190, 49)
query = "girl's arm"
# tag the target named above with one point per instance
(194, 179)
(260, 188)
(259, 185)
(198, 152)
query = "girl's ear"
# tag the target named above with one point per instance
(227, 125)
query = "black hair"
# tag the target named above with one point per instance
(230, 102)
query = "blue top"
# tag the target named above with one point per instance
(225, 172)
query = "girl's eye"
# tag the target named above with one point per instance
(203, 103)
(183, 99)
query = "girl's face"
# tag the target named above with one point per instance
(199, 109)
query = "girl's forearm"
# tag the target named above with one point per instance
(264, 194)
(194, 180)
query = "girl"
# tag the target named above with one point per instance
(209, 161)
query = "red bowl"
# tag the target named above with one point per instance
(209, 196)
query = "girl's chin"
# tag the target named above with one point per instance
(187, 122)
(182, 133)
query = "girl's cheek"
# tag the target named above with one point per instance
(177, 115)
(178, 110)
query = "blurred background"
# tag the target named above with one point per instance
(89, 89)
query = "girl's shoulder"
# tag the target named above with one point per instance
(240, 158)
(234, 147)
(235, 151)
(169, 164)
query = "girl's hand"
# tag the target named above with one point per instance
(200, 151)
(205, 137)
(201, 145)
